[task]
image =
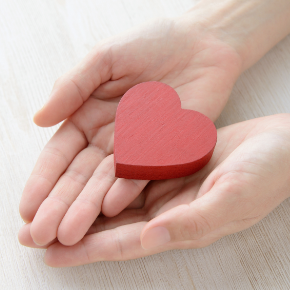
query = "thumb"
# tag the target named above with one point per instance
(192, 221)
(71, 90)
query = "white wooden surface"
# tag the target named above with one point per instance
(39, 41)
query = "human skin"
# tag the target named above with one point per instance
(247, 177)
(200, 54)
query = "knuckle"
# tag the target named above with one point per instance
(58, 200)
(76, 176)
(119, 245)
(88, 201)
(86, 253)
(55, 153)
(230, 185)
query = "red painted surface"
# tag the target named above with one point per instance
(156, 139)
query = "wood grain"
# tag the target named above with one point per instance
(156, 139)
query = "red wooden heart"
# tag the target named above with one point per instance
(156, 139)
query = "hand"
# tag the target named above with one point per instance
(247, 177)
(68, 184)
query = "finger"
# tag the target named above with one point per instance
(215, 235)
(122, 243)
(74, 88)
(242, 187)
(118, 244)
(25, 239)
(219, 206)
(71, 183)
(121, 194)
(87, 206)
(56, 156)
(105, 224)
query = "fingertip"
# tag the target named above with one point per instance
(107, 209)
(117, 198)
(67, 230)
(111, 207)
(26, 216)
(58, 255)
(35, 118)
(26, 220)
(25, 239)
(22, 235)
(76, 223)
(65, 237)
(43, 119)
(38, 117)
(39, 236)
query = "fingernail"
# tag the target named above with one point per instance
(155, 237)
(37, 244)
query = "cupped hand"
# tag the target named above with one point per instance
(247, 177)
(72, 174)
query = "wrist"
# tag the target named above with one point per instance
(251, 27)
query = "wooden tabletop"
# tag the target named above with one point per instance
(41, 40)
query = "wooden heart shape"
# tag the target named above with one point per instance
(156, 139)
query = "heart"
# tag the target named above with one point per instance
(156, 139)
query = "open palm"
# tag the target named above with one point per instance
(247, 177)
(73, 166)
